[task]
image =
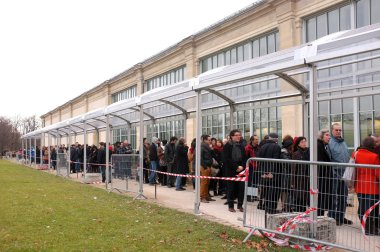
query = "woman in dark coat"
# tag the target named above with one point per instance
(325, 174)
(300, 180)
(181, 162)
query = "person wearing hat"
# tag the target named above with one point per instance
(286, 154)
(270, 173)
(153, 157)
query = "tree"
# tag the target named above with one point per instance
(9, 136)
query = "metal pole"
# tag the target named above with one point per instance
(232, 109)
(35, 151)
(305, 121)
(41, 146)
(108, 175)
(313, 112)
(129, 133)
(69, 154)
(49, 151)
(30, 151)
(198, 132)
(140, 194)
(84, 150)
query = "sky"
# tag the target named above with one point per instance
(51, 51)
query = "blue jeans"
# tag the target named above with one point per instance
(178, 183)
(152, 175)
(339, 194)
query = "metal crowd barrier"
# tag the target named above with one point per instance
(63, 166)
(306, 204)
(125, 172)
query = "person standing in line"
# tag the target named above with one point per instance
(206, 163)
(234, 162)
(325, 173)
(270, 173)
(153, 157)
(169, 158)
(181, 161)
(251, 150)
(101, 158)
(286, 154)
(339, 154)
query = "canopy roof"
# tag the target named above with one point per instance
(276, 76)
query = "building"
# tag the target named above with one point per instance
(260, 29)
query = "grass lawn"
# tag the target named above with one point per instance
(42, 212)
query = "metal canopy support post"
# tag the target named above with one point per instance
(84, 150)
(35, 151)
(232, 110)
(30, 151)
(69, 155)
(41, 147)
(49, 149)
(305, 119)
(313, 127)
(108, 175)
(140, 194)
(129, 132)
(198, 132)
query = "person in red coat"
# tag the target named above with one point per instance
(367, 185)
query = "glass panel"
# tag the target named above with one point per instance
(228, 58)
(220, 59)
(323, 108)
(322, 25)
(311, 29)
(264, 114)
(375, 13)
(264, 129)
(271, 44)
(336, 106)
(365, 125)
(277, 42)
(348, 129)
(263, 46)
(323, 122)
(256, 48)
(209, 63)
(348, 105)
(345, 18)
(233, 56)
(365, 103)
(333, 21)
(248, 51)
(376, 101)
(377, 123)
(240, 54)
(215, 61)
(272, 113)
(362, 13)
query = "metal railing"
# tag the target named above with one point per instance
(291, 211)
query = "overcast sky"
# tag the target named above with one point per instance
(52, 51)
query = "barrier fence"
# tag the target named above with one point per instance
(309, 205)
(125, 172)
(63, 166)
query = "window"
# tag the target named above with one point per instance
(249, 49)
(124, 94)
(171, 77)
(121, 134)
(339, 19)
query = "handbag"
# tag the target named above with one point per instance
(349, 175)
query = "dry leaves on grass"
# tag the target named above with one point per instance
(261, 247)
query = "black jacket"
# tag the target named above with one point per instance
(272, 150)
(181, 160)
(169, 153)
(101, 156)
(153, 153)
(206, 156)
(229, 166)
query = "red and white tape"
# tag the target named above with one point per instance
(365, 216)
(242, 176)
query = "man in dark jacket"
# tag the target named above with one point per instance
(206, 163)
(234, 160)
(270, 173)
(153, 157)
(169, 158)
(73, 158)
(101, 158)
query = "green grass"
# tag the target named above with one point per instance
(41, 212)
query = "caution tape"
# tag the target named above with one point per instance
(242, 176)
(365, 216)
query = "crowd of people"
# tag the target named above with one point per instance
(285, 182)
